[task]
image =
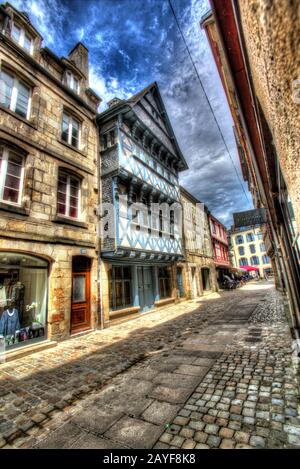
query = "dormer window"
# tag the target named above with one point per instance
(73, 82)
(22, 38)
(14, 94)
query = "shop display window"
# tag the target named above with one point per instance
(23, 299)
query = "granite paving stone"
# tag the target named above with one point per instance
(186, 376)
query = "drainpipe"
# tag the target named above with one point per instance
(99, 216)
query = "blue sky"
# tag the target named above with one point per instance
(135, 42)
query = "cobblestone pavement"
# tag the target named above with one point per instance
(212, 372)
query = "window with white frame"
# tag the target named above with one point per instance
(266, 259)
(262, 247)
(254, 260)
(70, 130)
(11, 176)
(68, 195)
(21, 37)
(14, 94)
(73, 82)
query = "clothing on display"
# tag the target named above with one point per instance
(9, 322)
(17, 297)
(23, 298)
(3, 297)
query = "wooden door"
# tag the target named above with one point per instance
(146, 297)
(81, 308)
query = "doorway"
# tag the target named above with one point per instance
(81, 292)
(193, 283)
(146, 296)
(180, 282)
(206, 279)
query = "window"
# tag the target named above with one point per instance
(22, 38)
(104, 141)
(218, 250)
(254, 260)
(112, 137)
(164, 282)
(68, 195)
(266, 259)
(14, 94)
(259, 235)
(250, 237)
(172, 221)
(24, 280)
(160, 223)
(70, 130)
(72, 82)
(243, 261)
(262, 247)
(120, 287)
(239, 239)
(241, 250)
(252, 248)
(11, 176)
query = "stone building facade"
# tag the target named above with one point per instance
(249, 250)
(140, 162)
(197, 275)
(256, 49)
(48, 187)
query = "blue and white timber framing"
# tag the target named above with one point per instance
(140, 162)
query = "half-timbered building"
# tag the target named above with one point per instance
(141, 238)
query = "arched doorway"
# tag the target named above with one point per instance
(81, 292)
(206, 279)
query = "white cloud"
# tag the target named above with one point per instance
(107, 87)
(47, 16)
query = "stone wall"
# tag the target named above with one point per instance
(272, 35)
(34, 227)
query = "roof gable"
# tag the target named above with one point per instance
(151, 101)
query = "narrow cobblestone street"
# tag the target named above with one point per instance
(207, 373)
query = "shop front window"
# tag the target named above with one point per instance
(23, 299)
(164, 282)
(120, 287)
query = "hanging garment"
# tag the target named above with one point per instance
(9, 322)
(3, 297)
(17, 297)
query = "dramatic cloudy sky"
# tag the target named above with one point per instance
(135, 42)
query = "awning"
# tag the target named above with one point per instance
(249, 268)
(238, 272)
(236, 269)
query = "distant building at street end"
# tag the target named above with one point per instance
(219, 237)
(258, 63)
(247, 245)
(197, 275)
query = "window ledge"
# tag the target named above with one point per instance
(20, 118)
(69, 221)
(71, 147)
(19, 209)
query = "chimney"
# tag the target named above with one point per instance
(80, 56)
(113, 102)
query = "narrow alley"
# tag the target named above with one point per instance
(207, 373)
